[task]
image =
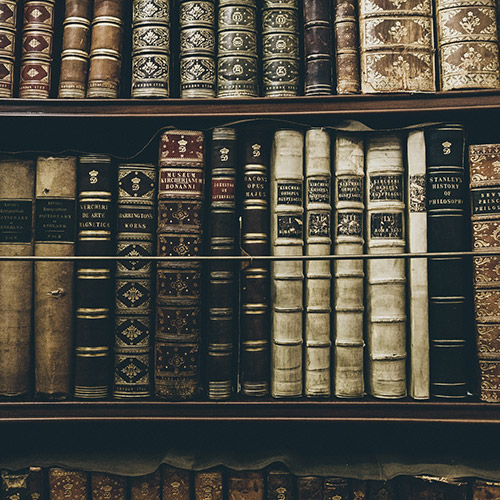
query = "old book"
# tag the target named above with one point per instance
(222, 291)
(147, 487)
(254, 287)
(8, 24)
(109, 486)
(37, 483)
(17, 192)
(318, 47)
(336, 488)
(175, 483)
(281, 485)
(396, 46)
(418, 297)
(317, 308)
(94, 283)
(309, 488)
(348, 275)
(245, 485)
(134, 293)
(65, 483)
(429, 487)
(467, 42)
(346, 43)
(178, 283)
(358, 489)
(382, 490)
(485, 218)
(385, 278)
(280, 48)
(237, 61)
(150, 48)
(14, 485)
(197, 48)
(75, 49)
(287, 275)
(53, 293)
(209, 485)
(105, 49)
(36, 49)
(485, 490)
(449, 323)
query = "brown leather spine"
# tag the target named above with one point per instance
(346, 47)
(64, 484)
(8, 21)
(17, 190)
(37, 483)
(14, 485)
(382, 490)
(423, 487)
(175, 483)
(309, 488)
(485, 490)
(358, 489)
(146, 487)
(336, 488)
(53, 299)
(245, 485)
(108, 486)
(280, 485)
(208, 485)
(75, 49)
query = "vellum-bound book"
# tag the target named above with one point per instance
(286, 275)
(385, 278)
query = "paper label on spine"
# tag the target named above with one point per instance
(350, 189)
(55, 220)
(290, 193)
(15, 221)
(223, 189)
(386, 225)
(318, 191)
(386, 187)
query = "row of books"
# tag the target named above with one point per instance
(273, 483)
(239, 48)
(244, 296)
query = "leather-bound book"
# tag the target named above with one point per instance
(134, 294)
(396, 46)
(37, 483)
(280, 48)
(280, 485)
(346, 47)
(254, 288)
(53, 293)
(105, 49)
(418, 296)
(75, 49)
(147, 487)
(237, 62)
(348, 275)
(209, 485)
(175, 483)
(309, 488)
(317, 308)
(108, 486)
(36, 49)
(222, 291)
(449, 322)
(17, 192)
(318, 47)
(245, 485)
(178, 283)
(65, 483)
(485, 218)
(467, 42)
(382, 490)
(14, 485)
(287, 275)
(8, 22)
(150, 48)
(428, 487)
(197, 48)
(485, 490)
(336, 488)
(385, 278)
(94, 284)
(358, 489)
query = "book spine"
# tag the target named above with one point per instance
(197, 48)
(36, 49)
(15, 485)
(318, 47)
(94, 285)
(336, 488)
(64, 483)
(309, 488)
(237, 60)
(105, 49)
(418, 296)
(17, 192)
(222, 286)
(75, 49)
(467, 41)
(417, 487)
(281, 485)
(146, 487)
(280, 48)
(382, 490)
(318, 210)
(150, 48)
(348, 275)
(135, 236)
(109, 486)
(484, 490)
(175, 483)
(53, 290)
(248, 485)
(396, 46)
(449, 322)
(287, 275)
(385, 278)
(358, 489)
(209, 484)
(8, 21)
(346, 47)
(178, 283)
(485, 219)
(37, 484)
(254, 311)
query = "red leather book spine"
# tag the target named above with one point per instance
(8, 21)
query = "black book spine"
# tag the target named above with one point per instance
(448, 285)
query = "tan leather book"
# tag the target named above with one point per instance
(64, 483)
(147, 487)
(485, 490)
(209, 485)
(245, 485)
(109, 486)
(175, 483)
